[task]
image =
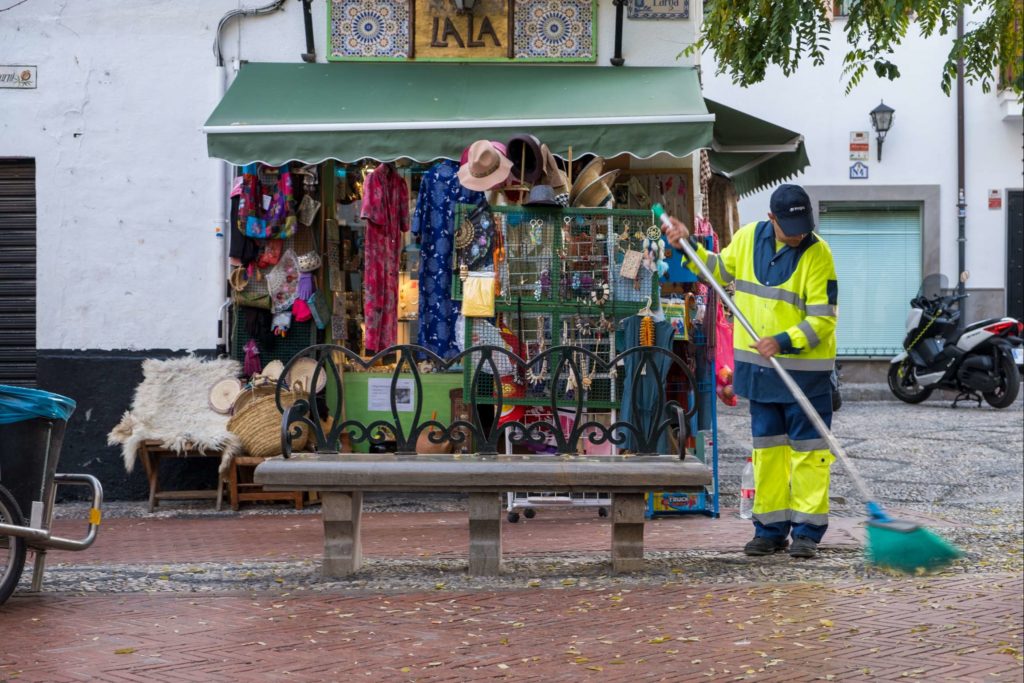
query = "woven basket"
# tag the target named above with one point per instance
(258, 425)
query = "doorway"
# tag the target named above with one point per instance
(18, 272)
(1015, 254)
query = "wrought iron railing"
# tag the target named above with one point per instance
(652, 413)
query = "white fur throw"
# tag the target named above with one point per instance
(172, 406)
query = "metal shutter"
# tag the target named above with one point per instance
(18, 272)
(877, 252)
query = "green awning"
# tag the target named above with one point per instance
(752, 152)
(348, 111)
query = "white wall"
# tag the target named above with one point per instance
(919, 150)
(128, 202)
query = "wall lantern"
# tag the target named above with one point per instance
(881, 121)
(462, 6)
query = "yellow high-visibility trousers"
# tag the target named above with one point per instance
(791, 470)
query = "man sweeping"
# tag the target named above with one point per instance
(786, 286)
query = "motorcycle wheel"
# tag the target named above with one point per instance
(911, 392)
(1009, 384)
(12, 548)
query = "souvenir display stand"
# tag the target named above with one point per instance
(593, 279)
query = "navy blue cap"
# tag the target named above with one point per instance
(792, 210)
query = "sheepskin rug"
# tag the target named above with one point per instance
(172, 406)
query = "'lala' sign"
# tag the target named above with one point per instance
(444, 32)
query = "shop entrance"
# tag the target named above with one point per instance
(18, 272)
(1015, 254)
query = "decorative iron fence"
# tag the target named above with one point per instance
(648, 414)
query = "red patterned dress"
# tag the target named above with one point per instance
(386, 212)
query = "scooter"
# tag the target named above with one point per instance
(976, 360)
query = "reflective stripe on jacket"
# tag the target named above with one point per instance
(792, 295)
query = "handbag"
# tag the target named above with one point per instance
(262, 215)
(478, 295)
(270, 254)
(245, 292)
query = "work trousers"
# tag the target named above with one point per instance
(791, 470)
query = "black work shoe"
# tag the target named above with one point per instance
(763, 546)
(803, 547)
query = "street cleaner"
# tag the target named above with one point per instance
(786, 286)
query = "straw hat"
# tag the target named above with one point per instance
(553, 175)
(597, 192)
(485, 167)
(588, 175)
(300, 376)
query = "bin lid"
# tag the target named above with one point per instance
(18, 404)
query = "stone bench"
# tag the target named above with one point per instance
(342, 479)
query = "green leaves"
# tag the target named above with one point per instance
(749, 36)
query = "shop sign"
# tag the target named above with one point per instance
(442, 32)
(659, 9)
(859, 145)
(439, 30)
(995, 199)
(859, 171)
(17, 76)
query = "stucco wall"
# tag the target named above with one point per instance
(128, 202)
(919, 150)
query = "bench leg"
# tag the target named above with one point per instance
(343, 549)
(627, 532)
(485, 534)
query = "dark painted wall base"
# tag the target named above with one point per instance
(102, 383)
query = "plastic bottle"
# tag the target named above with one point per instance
(747, 490)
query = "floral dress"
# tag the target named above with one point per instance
(386, 212)
(434, 222)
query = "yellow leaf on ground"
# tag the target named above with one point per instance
(124, 651)
(659, 639)
(826, 623)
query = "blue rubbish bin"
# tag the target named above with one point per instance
(32, 426)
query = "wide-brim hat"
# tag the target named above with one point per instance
(300, 376)
(553, 175)
(500, 146)
(541, 195)
(486, 167)
(527, 159)
(589, 174)
(597, 192)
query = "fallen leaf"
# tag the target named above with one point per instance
(659, 639)
(503, 666)
(124, 651)
(827, 623)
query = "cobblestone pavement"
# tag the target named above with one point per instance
(190, 594)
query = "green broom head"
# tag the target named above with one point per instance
(907, 547)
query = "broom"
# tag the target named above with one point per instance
(895, 544)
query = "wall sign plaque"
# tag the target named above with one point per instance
(658, 9)
(17, 76)
(443, 30)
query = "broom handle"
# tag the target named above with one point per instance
(787, 379)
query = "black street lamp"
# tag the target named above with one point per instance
(881, 121)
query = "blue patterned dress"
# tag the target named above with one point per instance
(434, 222)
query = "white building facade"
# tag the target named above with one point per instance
(892, 221)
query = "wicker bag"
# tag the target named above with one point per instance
(258, 425)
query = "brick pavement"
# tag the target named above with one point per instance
(400, 534)
(935, 629)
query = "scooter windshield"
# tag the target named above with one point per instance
(934, 285)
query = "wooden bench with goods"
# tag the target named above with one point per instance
(466, 455)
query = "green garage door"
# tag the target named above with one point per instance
(877, 251)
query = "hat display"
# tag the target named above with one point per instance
(588, 175)
(597, 192)
(486, 167)
(527, 159)
(542, 195)
(792, 210)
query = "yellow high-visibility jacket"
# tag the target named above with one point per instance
(788, 293)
